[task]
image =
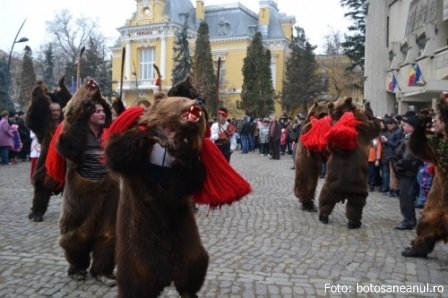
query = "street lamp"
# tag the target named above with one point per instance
(23, 39)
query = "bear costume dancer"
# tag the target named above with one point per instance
(157, 237)
(308, 158)
(88, 218)
(433, 224)
(347, 166)
(42, 118)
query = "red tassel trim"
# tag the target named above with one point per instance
(343, 134)
(55, 163)
(315, 139)
(126, 120)
(223, 185)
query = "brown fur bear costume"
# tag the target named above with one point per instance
(157, 237)
(87, 223)
(308, 162)
(433, 224)
(346, 176)
(39, 120)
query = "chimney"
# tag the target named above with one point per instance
(264, 16)
(200, 13)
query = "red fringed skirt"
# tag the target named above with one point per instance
(223, 185)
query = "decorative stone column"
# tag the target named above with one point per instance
(128, 62)
(163, 56)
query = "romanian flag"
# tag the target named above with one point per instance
(392, 84)
(415, 76)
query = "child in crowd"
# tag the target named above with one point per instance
(263, 138)
(374, 163)
(424, 179)
(34, 152)
(283, 137)
(17, 143)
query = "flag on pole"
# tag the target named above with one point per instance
(392, 84)
(415, 76)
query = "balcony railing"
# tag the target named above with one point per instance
(138, 85)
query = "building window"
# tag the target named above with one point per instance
(253, 29)
(146, 63)
(220, 57)
(421, 42)
(387, 31)
(223, 27)
(391, 57)
(222, 71)
(404, 49)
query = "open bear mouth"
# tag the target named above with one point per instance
(193, 114)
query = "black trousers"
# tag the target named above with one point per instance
(225, 150)
(408, 194)
(275, 149)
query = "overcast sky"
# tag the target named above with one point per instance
(317, 17)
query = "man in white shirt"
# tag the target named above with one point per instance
(222, 133)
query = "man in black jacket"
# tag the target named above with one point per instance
(406, 166)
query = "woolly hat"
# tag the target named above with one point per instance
(389, 120)
(411, 120)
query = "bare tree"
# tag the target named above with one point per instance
(333, 43)
(71, 34)
(334, 66)
(339, 80)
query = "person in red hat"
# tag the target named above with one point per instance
(222, 134)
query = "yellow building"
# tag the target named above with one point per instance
(149, 36)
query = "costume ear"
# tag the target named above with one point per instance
(316, 104)
(62, 92)
(38, 90)
(348, 100)
(184, 88)
(159, 96)
(330, 106)
(61, 82)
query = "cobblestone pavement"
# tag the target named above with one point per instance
(263, 246)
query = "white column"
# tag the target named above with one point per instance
(128, 61)
(163, 56)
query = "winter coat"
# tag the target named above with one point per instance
(5, 133)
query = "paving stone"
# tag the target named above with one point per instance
(262, 246)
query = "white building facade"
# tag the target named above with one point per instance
(406, 64)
